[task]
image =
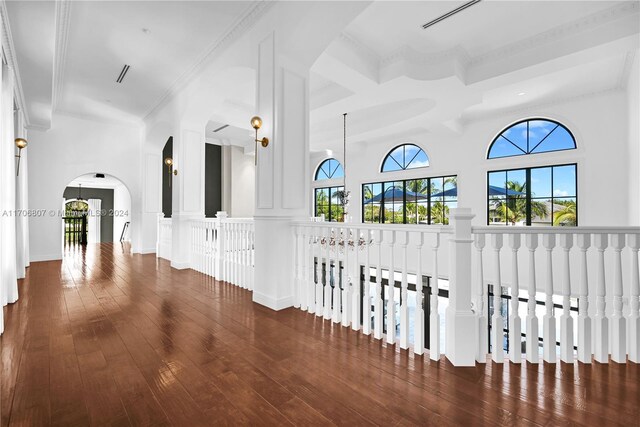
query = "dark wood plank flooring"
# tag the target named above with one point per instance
(104, 337)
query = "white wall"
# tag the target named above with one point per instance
(73, 147)
(242, 184)
(122, 212)
(633, 107)
(599, 124)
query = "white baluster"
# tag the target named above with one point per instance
(566, 321)
(339, 279)
(366, 294)
(549, 320)
(378, 314)
(434, 316)
(327, 275)
(418, 323)
(533, 354)
(481, 345)
(346, 286)
(584, 321)
(497, 323)
(618, 322)
(634, 291)
(302, 272)
(515, 323)
(319, 234)
(297, 291)
(391, 303)
(354, 282)
(404, 295)
(600, 321)
(311, 286)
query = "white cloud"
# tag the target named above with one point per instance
(560, 193)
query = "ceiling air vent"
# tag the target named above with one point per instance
(99, 175)
(220, 128)
(451, 13)
(123, 73)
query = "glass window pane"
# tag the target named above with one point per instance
(497, 211)
(498, 184)
(420, 159)
(503, 148)
(516, 183)
(515, 210)
(517, 134)
(565, 212)
(541, 212)
(541, 182)
(451, 188)
(559, 139)
(538, 130)
(398, 156)
(564, 181)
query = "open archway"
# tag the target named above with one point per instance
(96, 208)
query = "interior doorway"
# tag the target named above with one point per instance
(96, 208)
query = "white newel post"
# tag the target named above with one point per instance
(460, 319)
(634, 317)
(188, 192)
(282, 178)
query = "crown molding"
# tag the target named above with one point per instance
(10, 55)
(237, 29)
(622, 10)
(623, 80)
(63, 17)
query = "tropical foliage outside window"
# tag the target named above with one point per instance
(329, 169)
(530, 137)
(414, 201)
(551, 198)
(403, 157)
(330, 203)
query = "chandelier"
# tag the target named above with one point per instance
(338, 241)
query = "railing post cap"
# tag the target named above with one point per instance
(222, 215)
(461, 213)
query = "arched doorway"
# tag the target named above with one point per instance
(96, 208)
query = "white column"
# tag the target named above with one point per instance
(418, 324)
(390, 239)
(187, 191)
(404, 294)
(460, 326)
(282, 173)
(434, 315)
(481, 346)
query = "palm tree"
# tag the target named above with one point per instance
(567, 215)
(514, 208)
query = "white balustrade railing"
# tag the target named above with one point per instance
(223, 248)
(342, 273)
(580, 284)
(163, 242)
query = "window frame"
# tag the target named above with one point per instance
(404, 181)
(404, 169)
(329, 178)
(530, 151)
(315, 200)
(527, 170)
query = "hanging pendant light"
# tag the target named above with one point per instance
(79, 198)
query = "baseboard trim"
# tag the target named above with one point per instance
(272, 303)
(180, 265)
(45, 257)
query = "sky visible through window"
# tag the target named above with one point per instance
(403, 157)
(329, 169)
(531, 137)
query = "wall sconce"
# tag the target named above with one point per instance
(169, 162)
(20, 143)
(256, 123)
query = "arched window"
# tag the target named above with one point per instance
(531, 136)
(329, 169)
(403, 157)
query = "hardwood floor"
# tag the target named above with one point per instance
(108, 338)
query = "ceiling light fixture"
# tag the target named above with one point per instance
(123, 73)
(450, 14)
